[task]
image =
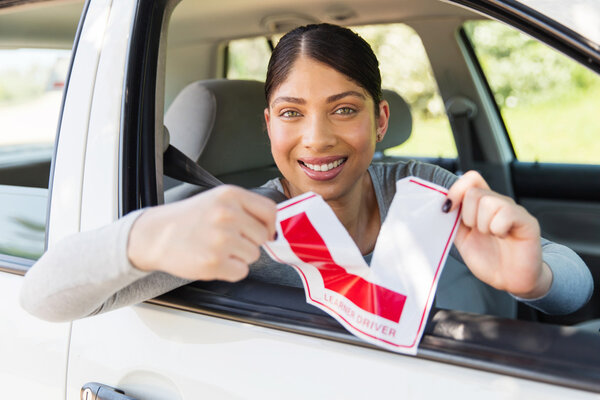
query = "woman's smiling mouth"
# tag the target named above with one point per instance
(322, 168)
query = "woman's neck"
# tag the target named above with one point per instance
(358, 211)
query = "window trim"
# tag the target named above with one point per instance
(15, 265)
(137, 164)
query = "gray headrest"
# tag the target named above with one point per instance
(400, 123)
(220, 124)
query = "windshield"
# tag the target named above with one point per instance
(581, 16)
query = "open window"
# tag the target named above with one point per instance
(548, 104)
(192, 55)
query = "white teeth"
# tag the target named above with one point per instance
(325, 167)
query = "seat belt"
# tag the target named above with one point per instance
(461, 112)
(179, 166)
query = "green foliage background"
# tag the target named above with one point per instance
(549, 103)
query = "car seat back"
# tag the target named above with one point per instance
(399, 125)
(219, 124)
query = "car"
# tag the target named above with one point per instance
(508, 88)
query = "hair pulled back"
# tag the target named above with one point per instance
(333, 45)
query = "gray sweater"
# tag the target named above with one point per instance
(89, 273)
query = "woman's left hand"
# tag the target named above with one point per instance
(498, 239)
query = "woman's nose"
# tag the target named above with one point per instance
(318, 134)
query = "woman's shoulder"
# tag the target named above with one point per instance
(388, 173)
(273, 189)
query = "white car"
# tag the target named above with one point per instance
(467, 79)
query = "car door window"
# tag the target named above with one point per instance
(549, 103)
(31, 85)
(404, 68)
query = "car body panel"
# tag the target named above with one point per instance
(34, 352)
(69, 159)
(159, 353)
(100, 192)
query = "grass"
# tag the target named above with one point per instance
(564, 130)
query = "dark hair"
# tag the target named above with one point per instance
(336, 46)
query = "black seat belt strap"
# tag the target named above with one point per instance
(179, 166)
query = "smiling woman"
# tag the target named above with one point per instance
(109, 162)
(323, 130)
(323, 124)
(324, 116)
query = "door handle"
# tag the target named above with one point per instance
(98, 391)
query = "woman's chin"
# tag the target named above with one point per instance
(328, 191)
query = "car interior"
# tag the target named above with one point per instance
(200, 101)
(236, 151)
(217, 122)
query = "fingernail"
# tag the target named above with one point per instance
(447, 206)
(275, 236)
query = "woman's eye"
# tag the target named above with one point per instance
(290, 114)
(345, 111)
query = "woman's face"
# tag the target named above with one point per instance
(323, 130)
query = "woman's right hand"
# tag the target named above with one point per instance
(213, 235)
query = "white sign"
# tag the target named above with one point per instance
(388, 303)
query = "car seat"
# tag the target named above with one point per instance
(219, 123)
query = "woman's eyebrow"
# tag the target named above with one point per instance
(288, 99)
(339, 96)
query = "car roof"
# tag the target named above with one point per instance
(231, 19)
(221, 20)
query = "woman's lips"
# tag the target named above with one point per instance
(322, 168)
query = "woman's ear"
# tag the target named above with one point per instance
(383, 119)
(267, 117)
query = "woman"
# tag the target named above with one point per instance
(324, 116)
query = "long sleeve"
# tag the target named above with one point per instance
(89, 273)
(572, 282)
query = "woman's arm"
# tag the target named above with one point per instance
(213, 235)
(500, 243)
(86, 273)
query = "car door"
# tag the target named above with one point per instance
(232, 341)
(34, 64)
